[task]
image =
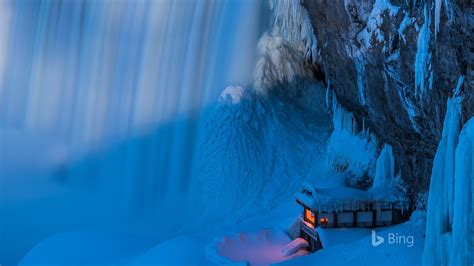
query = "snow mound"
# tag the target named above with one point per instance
(233, 95)
(257, 248)
(86, 248)
(353, 247)
(259, 149)
(294, 246)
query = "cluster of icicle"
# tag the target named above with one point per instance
(449, 12)
(449, 228)
(279, 61)
(423, 69)
(341, 118)
(284, 51)
(295, 25)
(350, 150)
(341, 205)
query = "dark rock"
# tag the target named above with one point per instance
(387, 102)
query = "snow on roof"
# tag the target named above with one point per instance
(348, 199)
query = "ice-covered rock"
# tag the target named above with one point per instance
(377, 84)
(285, 50)
(279, 61)
(294, 23)
(259, 149)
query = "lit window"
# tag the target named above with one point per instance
(309, 216)
(323, 221)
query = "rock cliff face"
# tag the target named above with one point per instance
(374, 51)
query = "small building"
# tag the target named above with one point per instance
(344, 207)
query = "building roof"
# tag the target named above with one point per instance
(349, 199)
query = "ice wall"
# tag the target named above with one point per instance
(444, 190)
(462, 252)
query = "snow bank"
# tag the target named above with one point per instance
(353, 247)
(255, 248)
(294, 246)
(87, 248)
(183, 250)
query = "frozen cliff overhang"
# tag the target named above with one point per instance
(393, 68)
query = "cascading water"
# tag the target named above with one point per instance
(128, 80)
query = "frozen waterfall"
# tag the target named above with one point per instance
(449, 215)
(120, 88)
(95, 73)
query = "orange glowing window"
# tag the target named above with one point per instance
(309, 216)
(324, 221)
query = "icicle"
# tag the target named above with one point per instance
(457, 90)
(361, 83)
(294, 23)
(423, 56)
(438, 4)
(342, 119)
(327, 94)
